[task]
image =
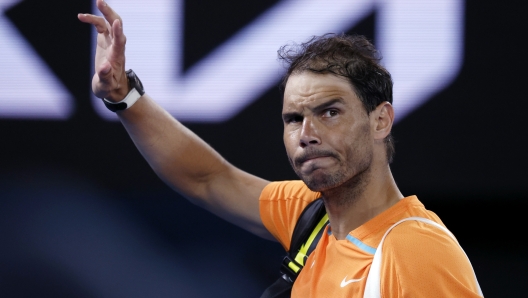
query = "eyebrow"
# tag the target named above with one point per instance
(316, 109)
(327, 104)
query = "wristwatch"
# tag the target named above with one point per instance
(133, 95)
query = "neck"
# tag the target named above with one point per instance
(360, 199)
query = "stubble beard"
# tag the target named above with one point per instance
(352, 186)
(349, 181)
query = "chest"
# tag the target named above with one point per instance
(337, 268)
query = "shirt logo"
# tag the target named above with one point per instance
(346, 282)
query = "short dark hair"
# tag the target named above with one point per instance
(353, 57)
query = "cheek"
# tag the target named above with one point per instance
(349, 144)
(340, 140)
(290, 137)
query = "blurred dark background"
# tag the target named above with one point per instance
(83, 215)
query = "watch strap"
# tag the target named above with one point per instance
(124, 104)
(133, 95)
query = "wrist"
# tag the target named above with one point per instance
(120, 93)
(134, 91)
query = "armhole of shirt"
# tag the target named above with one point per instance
(373, 284)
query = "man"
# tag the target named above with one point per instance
(337, 117)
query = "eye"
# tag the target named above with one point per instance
(330, 113)
(293, 119)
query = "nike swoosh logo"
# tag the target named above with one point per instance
(346, 282)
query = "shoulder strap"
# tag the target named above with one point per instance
(307, 232)
(310, 224)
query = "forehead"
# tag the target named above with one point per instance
(310, 88)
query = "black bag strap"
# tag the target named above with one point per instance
(307, 232)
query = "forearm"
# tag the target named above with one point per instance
(177, 155)
(190, 166)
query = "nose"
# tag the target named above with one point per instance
(309, 133)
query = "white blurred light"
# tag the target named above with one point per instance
(422, 46)
(29, 88)
(421, 41)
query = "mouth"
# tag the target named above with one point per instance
(310, 156)
(304, 160)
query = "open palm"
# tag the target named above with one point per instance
(109, 80)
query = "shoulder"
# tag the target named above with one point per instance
(281, 204)
(421, 240)
(288, 190)
(423, 259)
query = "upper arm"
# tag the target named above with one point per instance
(233, 195)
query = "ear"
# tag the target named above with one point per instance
(382, 119)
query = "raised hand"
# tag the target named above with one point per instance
(109, 80)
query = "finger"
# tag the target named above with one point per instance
(99, 22)
(107, 11)
(119, 38)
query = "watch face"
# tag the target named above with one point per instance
(134, 81)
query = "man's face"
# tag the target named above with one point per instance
(326, 130)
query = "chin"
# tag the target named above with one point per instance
(322, 182)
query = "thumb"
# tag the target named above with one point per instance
(105, 73)
(106, 69)
(102, 82)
